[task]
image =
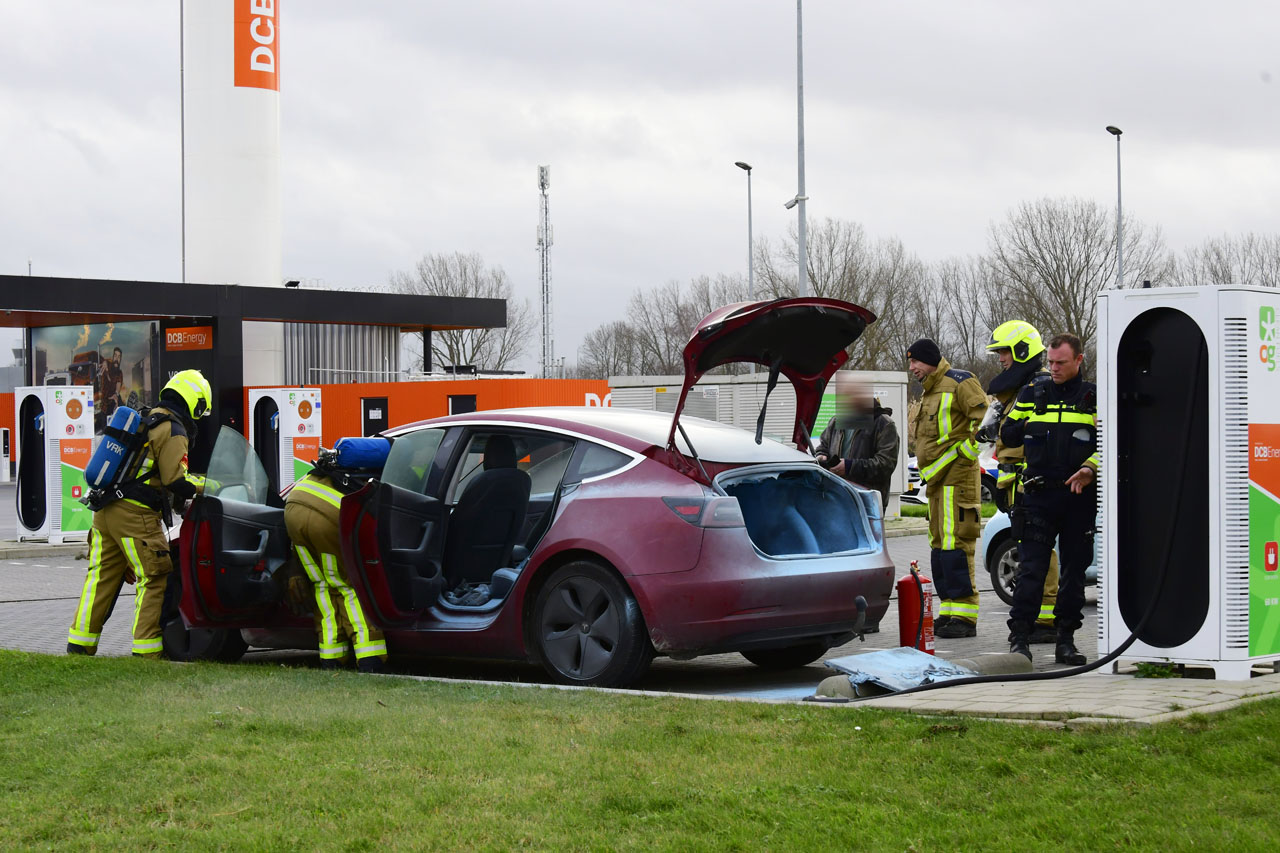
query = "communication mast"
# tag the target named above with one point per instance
(544, 255)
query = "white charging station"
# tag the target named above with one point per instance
(1189, 422)
(285, 430)
(55, 440)
(6, 451)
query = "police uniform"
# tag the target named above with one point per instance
(128, 541)
(1056, 425)
(952, 406)
(1024, 344)
(311, 517)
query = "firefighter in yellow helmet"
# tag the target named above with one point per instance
(1020, 349)
(128, 543)
(311, 517)
(950, 410)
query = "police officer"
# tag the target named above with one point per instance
(128, 542)
(950, 410)
(311, 517)
(1020, 349)
(1055, 421)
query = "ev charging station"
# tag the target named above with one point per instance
(1189, 431)
(55, 441)
(284, 429)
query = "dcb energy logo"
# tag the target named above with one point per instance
(1267, 333)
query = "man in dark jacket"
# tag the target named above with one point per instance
(860, 443)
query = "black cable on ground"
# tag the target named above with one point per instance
(1146, 617)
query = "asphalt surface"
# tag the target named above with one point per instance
(38, 597)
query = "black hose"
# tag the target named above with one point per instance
(1142, 623)
(915, 573)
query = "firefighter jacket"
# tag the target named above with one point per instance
(1005, 388)
(318, 492)
(1056, 426)
(870, 453)
(950, 410)
(164, 465)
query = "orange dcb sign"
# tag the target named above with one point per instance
(188, 338)
(257, 44)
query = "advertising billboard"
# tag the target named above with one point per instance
(114, 359)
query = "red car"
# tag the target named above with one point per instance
(585, 539)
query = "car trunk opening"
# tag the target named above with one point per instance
(802, 512)
(803, 339)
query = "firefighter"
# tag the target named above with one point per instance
(950, 410)
(1020, 349)
(128, 543)
(311, 517)
(1055, 420)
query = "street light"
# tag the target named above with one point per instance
(1115, 131)
(801, 198)
(751, 260)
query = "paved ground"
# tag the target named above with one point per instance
(38, 595)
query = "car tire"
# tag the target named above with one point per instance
(224, 645)
(1003, 568)
(587, 628)
(790, 657)
(988, 488)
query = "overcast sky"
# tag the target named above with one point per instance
(413, 126)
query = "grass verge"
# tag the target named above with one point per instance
(922, 510)
(119, 754)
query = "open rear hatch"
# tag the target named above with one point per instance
(803, 339)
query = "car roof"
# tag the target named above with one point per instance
(637, 429)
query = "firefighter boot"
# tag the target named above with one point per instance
(1066, 652)
(1019, 644)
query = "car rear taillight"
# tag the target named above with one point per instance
(715, 511)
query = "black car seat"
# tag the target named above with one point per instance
(486, 523)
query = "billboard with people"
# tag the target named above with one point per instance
(116, 359)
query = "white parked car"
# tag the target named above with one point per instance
(1000, 556)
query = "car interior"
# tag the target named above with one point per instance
(799, 513)
(501, 500)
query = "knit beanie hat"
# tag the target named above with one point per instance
(926, 351)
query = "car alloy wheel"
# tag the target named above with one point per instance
(1004, 569)
(589, 629)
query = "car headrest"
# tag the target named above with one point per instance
(499, 452)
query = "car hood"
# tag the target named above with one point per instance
(803, 339)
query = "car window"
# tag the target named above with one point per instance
(598, 460)
(235, 472)
(410, 459)
(543, 457)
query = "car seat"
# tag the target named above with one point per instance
(486, 523)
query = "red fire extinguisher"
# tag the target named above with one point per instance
(915, 606)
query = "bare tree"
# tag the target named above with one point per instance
(1050, 258)
(459, 274)
(610, 350)
(1252, 259)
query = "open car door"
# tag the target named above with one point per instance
(803, 339)
(233, 543)
(393, 532)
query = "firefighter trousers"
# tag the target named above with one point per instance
(954, 526)
(340, 619)
(127, 540)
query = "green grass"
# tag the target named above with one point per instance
(922, 510)
(119, 754)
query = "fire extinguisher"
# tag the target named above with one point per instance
(915, 610)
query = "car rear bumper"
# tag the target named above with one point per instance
(736, 599)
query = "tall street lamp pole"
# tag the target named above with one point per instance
(751, 258)
(801, 198)
(1115, 131)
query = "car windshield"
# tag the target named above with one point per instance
(235, 472)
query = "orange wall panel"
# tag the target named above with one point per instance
(408, 402)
